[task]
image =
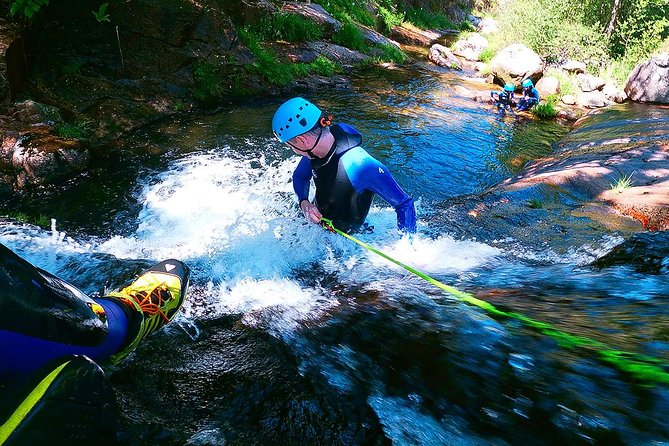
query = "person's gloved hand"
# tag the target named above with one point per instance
(310, 211)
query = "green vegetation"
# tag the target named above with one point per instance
(351, 37)
(624, 182)
(208, 83)
(42, 221)
(390, 17)
(350, 11)
(77, 130)
(101, 14)
(276, 72)
(27, 8)
(568, 85)
(535, 204)
(286, 27)
(425, 19)
(390, 53)
(546, 110)
(610, 36)
(486, 54)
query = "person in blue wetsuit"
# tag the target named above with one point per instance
(530, 96)
(52, 337)
(504, 98)
(345, 175)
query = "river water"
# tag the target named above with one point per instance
(293, 335)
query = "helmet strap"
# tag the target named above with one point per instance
(310, 151)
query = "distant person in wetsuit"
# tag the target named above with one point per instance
(345, 175)
(505, 98)
(52, 337)
(530, 96)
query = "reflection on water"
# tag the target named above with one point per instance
(293, 335)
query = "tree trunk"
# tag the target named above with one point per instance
(614, 18)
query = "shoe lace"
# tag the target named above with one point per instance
(151, 301)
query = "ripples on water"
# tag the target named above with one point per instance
(295, 335)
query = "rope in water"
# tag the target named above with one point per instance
(642, 367)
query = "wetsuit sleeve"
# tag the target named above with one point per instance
(301, 179)
(370, 174)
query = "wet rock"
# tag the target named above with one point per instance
(515, 63)
(30, 112)
(36, 157)
(410, 35)
(629, 175)
(649, 81)
(648, 252)
(346, 57)
(442, 56)
(568, 115)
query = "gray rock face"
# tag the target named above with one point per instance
(471, 47)
(649, 81)
(548, 86)
(487, 26)
(592, 99)
(515, 63)
(574, 66)
(443, 57)
(316, 13)
(614, 94)
(590, 83)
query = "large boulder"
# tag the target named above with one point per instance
(36, 157)
(548, 85)
(649, 81)
(487, 26)
(375, 38)
(614, 94)
(574, 66)
(592, 99)
(515, 63)
(587, 82)
(443, 57)
(248, 11)
(315, 13)
(471, 47)
(410, 35)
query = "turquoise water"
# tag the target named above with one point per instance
(292, 335)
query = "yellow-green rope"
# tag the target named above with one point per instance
(646, 368)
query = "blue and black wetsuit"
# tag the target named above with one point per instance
(504, 98)
(347, 181)
(529, 100)
(43, 318)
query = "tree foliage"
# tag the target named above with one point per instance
(609, 35)
(27, 8)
